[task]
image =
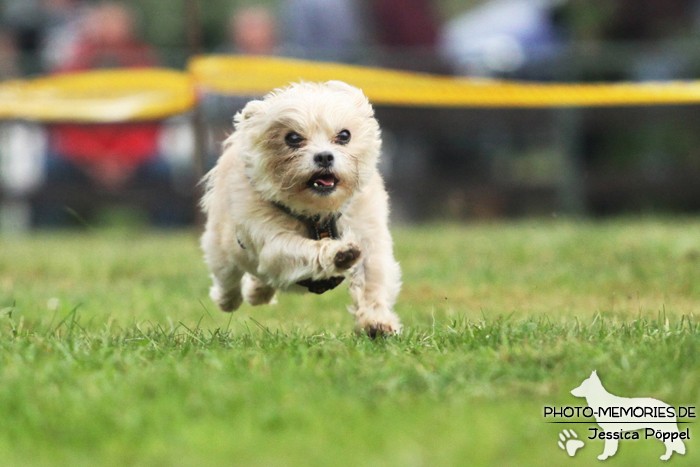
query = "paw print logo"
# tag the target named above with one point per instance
(569, 443)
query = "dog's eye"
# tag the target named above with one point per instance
(343, 137)
(293, 139)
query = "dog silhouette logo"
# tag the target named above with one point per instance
(618, 416)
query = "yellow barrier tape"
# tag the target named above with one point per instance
(253, 76)
(99, 96)
(151, 94)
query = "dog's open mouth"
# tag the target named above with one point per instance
(323, 182)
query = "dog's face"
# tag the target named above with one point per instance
(588, 387)
(310, 146)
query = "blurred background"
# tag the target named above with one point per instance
(439, 163)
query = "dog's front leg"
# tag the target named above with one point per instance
(374, 288)
(609, 450)
(287, 258)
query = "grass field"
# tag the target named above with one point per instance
(111, 353)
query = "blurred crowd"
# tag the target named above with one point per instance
(53, 36)
(519, 38)
(46, 36)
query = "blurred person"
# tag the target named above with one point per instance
(109, 40)
(609, 23)
(252, 31)
(501, 37)
(9, 66)
(44, 31)
(61, 31)
(407, 33)
(405, 23)
(653, 21)
(649, 19)
(22, 21)
(109, 153)
(322, 29)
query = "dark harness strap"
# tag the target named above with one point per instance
(318, 228)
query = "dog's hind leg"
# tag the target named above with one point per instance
(255, 291)
(226, 276)
(676, 445)
(609, 450)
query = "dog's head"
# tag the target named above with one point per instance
(589, 386)
(310, 146)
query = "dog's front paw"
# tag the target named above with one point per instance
(377, 321)
(227, 301)
(379, 330)
(347, 256)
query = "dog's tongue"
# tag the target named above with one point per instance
(326, 180)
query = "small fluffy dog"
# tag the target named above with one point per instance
(296, 203)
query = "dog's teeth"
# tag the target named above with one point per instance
(316, 184)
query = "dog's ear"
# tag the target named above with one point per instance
(354, 93)
(344, 87)
(340, 86)
(251, 109)
(594, 374)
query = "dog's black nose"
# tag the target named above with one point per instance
(324, 159)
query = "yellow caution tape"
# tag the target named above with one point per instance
(152, 93)
(99, 96)
(254, 76)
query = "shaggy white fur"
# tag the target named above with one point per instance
(312, 148)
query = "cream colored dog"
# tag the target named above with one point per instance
(296, 202)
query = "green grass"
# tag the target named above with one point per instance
(111, 354)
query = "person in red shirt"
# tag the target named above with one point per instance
(108, 153)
